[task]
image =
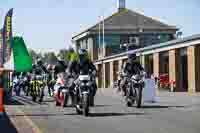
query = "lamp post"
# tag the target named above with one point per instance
(103, 36)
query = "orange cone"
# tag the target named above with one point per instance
(1, 102)
(1, 93)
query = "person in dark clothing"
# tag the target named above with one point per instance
(130, 68)
(39, 68)
(84, 65)
(50, 79)
(60, 67)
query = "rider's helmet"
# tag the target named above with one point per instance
(82, 55)
(132, 57)
(71, 49)
(71, 56)
(39, 62)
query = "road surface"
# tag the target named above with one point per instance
(173, 113)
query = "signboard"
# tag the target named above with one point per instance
(1, 47)
(7, 35)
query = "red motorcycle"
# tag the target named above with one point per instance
(61, 91)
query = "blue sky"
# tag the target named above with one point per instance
(50, 24)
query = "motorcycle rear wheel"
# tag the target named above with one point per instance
(34, 98)
(139, 97)
(65, 100)
(85, 105)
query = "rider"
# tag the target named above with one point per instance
(39, 68)
(50, 79)
(84, 64)
(130, 68)
(60, 67)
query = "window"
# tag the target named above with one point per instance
(134, 41)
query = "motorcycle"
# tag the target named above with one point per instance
(61, 91)
(17, 85)
(37, 88)
(83, 94)
(25, 85)
(135, 86)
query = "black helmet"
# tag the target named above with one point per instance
(82, 52)
(82, 55)
(71, 49)
(39, 61)
(132, 56)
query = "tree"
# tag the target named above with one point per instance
(63, 54)
(33, 54)
(50, 57)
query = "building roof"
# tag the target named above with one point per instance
(156, 46)
(129, 20)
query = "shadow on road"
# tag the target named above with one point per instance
(49, 100)
(102, 105)
(113, 114)
(159, 107)
(6, 125)
(42, 115)
(13, 102)
(29, 101)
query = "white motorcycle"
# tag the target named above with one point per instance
(83, 94)
(134, 89)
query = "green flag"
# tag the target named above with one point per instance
(20, 60)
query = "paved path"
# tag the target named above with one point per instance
(174, 113)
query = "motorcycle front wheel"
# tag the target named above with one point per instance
(85, 105)
(17, 90)
(138, 96)
(65, 100)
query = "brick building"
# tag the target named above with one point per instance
(178, 58)
(158, 49)
(124, 26)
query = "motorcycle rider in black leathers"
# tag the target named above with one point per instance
(39, 68)
(130, 68)
(60, 67)
(84, 65)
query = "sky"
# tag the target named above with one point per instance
(48, 25)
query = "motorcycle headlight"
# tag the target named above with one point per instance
(82, 84)
(88, 83)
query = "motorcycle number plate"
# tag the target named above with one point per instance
(85, 92)
(64, 90)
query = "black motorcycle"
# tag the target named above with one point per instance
(135, 85)
(17, 85)
(83, 94)
(37, 88)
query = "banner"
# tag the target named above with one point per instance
(20, 60)
(7, 35)
(1, 47)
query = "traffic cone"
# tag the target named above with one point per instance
(1, 102)
(1, 92)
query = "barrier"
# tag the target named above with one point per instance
(149, 92)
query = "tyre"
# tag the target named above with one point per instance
(139, 97)
(128, 104)
(65, 100)
(41, 95)
(57, 103)
(78, 111)
(17, 90)
(85, 105)
(27, 90)
(34, 97)
(91, 101)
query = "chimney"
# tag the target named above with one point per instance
(121, 5)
